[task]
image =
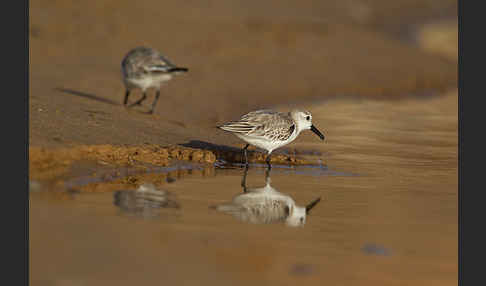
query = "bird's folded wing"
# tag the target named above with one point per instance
(238, 127)
(262, 123)
(273, 126)
(157, 68)
(157, 63)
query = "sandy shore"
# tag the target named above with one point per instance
(392, 222)
(378, 76)
(240, 58)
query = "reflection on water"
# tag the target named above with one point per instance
(395, 223)
(146, 201)
(266, 205)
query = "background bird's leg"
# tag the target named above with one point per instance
(127, 93)
(138, 102)
(243, 180)
(246, 155)
(268, 162)
(157, 95)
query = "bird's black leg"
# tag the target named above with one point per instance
(157, 95)
(127, 93)
(138, 102)
(267, 175)
(268, 162)
(243, 180)
(246, 155)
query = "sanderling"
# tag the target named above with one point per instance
(269, 130)
(144, 68)
(266, 205)
(146, 201)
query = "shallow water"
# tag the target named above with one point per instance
(387, 215)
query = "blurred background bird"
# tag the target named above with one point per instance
(145, 68)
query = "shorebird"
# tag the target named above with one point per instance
(146, 201)
(266, 205)
(269, 130)
(144, 68)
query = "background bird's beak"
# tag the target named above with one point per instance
(318, 133)
(311, 205)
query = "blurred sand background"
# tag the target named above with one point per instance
(242, 55)
(379, 77)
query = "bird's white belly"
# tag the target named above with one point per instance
(265, 144)
(149, 81)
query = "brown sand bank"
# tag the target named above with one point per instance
(58, 165)
(242, 55)
(395, 223)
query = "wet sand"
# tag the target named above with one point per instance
(241, 56)
(388, 214)
(379, 79)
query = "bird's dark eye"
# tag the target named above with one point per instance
(307, 118)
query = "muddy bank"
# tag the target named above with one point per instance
(59, 164)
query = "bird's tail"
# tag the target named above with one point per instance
(236, 127)
(178, 69)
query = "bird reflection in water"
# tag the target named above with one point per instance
(266, 205)
(146, 201)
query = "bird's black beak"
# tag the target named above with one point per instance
(318, 133)
(311, 205)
